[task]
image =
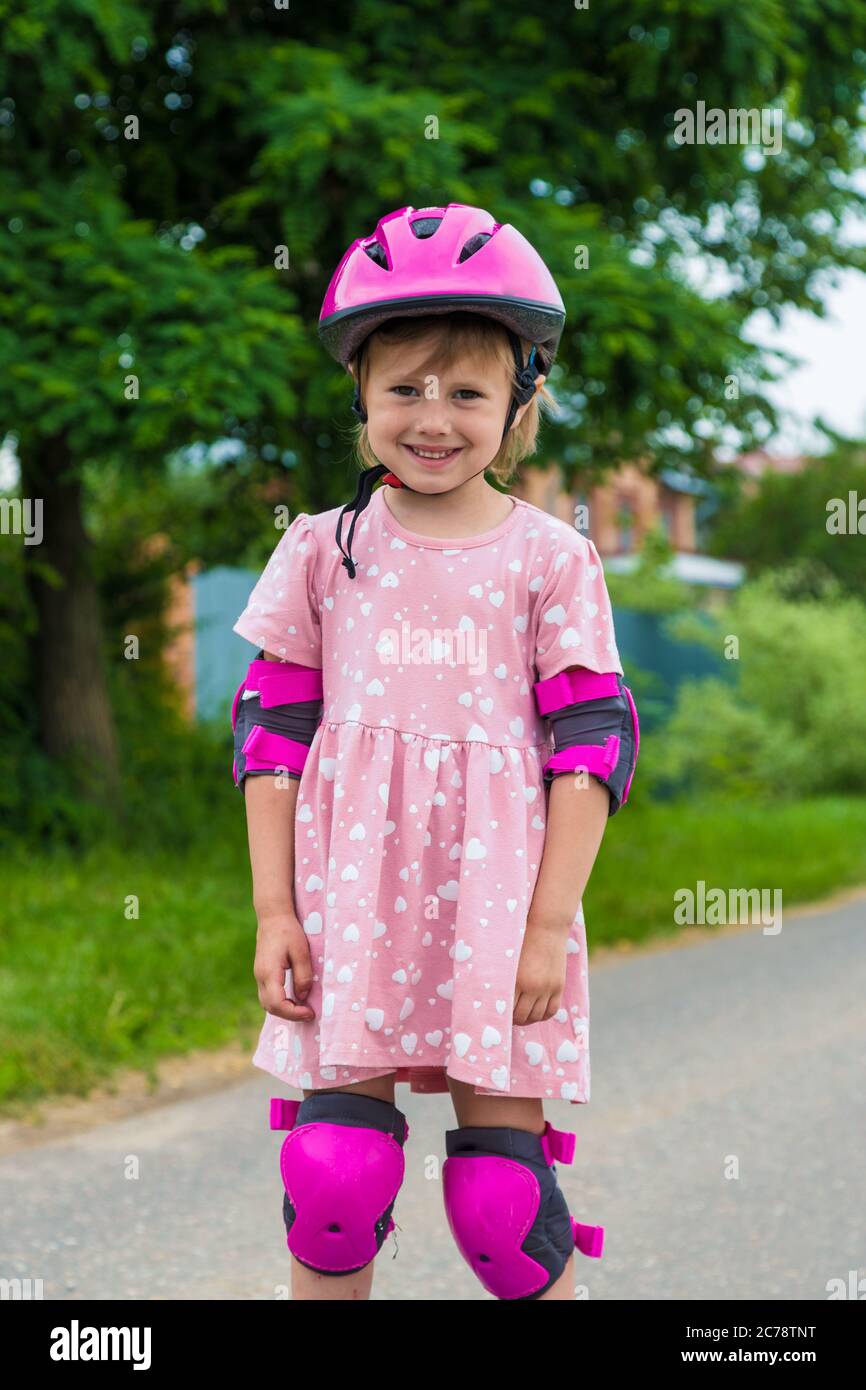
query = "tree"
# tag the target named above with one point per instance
(115, 341)
(158, 155)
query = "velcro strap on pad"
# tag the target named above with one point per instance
(573, 688)
(557, 1144)
(265, 750)
(592, 757)
(283, 1112)
(283, 683)
(588, 1239)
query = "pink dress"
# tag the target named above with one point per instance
(420, 818)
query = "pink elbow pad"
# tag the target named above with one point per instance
(275, 713)
(595, 728)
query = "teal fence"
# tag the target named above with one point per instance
(655, 665)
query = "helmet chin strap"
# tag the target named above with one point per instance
(522, 392)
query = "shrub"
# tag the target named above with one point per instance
(794, 721)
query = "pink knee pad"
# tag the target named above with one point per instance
(342, 1166)
(506, 1210)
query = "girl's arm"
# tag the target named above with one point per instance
(271, 836)
(577, 816)
(596, 737)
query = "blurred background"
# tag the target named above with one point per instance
(178, 184)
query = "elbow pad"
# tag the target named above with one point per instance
(275, 713)
(595, 729)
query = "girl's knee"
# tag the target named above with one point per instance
(518, 1112)
(379, 1087)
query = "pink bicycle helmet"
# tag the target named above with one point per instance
(437, 261)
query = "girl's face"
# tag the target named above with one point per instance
(434, 430)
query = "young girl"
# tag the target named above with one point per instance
(418, 856)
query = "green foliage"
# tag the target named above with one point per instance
(125, 343)
(649, 587)
(788, 516)
(174, 774)
(794, 722)
(153, 256)
(39, 804)
(301, 128)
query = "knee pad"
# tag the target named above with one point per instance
(342, 1166)
(506, 1211)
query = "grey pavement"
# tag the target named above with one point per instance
(723, 1149)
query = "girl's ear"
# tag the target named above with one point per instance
(522, 409)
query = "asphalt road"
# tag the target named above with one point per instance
(723, 1150)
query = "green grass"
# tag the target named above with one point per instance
(86, 989)
(807, 849)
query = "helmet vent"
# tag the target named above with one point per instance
(376, 252)
(474, 244)
(425, 226)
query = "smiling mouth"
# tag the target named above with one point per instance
(432, 457)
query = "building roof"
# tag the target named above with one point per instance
(688, 567)
(678, 481)
(760, 461)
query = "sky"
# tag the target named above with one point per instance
(832, 381)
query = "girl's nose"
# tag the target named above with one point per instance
(433, 415)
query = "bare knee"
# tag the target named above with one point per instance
(517, 1112)
(380, 1088)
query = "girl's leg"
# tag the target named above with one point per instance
(517, 1113)
(307, 1285)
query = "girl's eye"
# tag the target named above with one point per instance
(464, 391)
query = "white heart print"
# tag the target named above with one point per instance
(422, 810)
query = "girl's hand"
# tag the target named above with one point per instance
(540, 974)
(281, 945)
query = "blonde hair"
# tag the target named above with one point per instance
(455, 334)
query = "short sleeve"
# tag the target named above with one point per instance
(573, 616)
(282, 614)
